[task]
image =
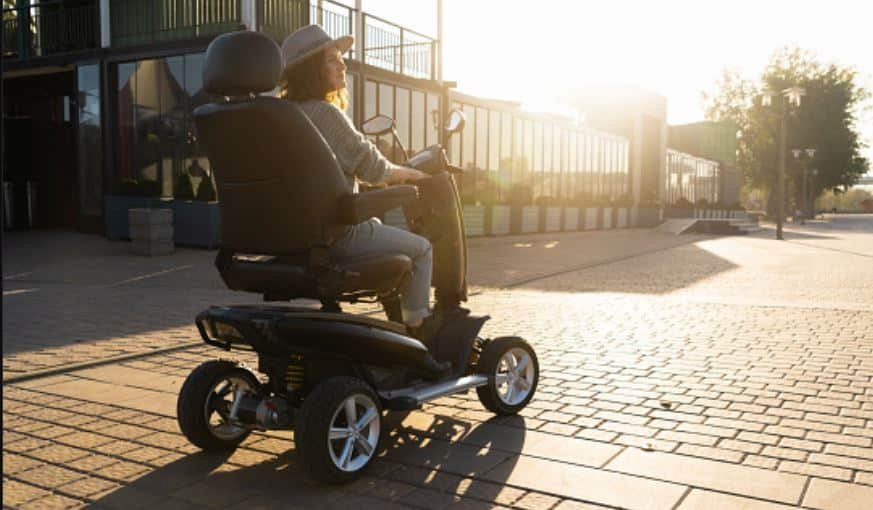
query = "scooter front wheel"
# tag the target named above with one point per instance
(205, 404)
(338, 430)
(513, 373)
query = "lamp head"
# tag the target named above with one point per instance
(794, 94)
(810, 153)
(796, 153)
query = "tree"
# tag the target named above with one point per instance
(825, 121)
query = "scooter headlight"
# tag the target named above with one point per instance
(224, 331)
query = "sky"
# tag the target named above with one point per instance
(533, 51)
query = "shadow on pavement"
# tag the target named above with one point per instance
(645, 274)
(443, 459)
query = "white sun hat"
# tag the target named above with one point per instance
(309, 40)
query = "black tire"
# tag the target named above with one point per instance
(490, 394)
(191, 408)
(318, 415)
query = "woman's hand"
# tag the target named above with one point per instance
(401, 174)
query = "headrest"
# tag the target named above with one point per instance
(240, 63)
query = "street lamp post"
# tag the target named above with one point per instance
(793, 95)
(798, 155)
(811, 199)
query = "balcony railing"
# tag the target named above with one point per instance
(149, 21)
(278, 18)
(48, 28)
(390, 46)
(386, 45)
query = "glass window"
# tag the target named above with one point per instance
(371, 105)
(505, 136)
(386, 100)
(547, 147)
(455, 143)
(402, 115)
(90, 140)
(482, 142)
(468, 147)
(433, 120)
(419, 121)
(350, 88)
(494, 139)
(538, 147)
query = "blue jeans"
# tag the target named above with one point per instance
(373, 238)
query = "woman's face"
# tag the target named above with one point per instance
(334, 69)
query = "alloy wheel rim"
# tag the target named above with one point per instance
(514, 376)
(354, 433)
(218, 405)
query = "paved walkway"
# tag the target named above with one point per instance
(678, 372)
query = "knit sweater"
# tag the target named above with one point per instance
(358, 158)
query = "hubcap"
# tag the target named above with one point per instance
(218, 407)
(354, 433)
(514, 376)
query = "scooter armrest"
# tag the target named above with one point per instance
(355, 208)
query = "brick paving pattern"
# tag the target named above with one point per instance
(671, 379)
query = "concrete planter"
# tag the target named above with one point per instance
(648, 217)
(115, 219)
(530, 219)
(553, 219)
(678, 212)
(591, 214)
(474, 220)
(606, 218)
(500, 220)
(196, 223)
(621, 217)
(571, 219)
(151, 231)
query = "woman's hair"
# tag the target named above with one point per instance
(305, 81)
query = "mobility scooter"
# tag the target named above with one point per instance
(326, 374)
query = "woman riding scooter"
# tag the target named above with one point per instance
(314, 78)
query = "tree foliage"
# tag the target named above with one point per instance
(825, 121)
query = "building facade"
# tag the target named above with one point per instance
(98, 97)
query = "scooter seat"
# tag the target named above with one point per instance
(281, 278)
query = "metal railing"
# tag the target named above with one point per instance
(395, 48)
(386, 44)
(278, 18)
(47, 28)
(149, 21)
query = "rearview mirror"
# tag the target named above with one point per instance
(378, 125)
(456, 121)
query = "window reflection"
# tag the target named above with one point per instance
(156, 143)
(90, 134)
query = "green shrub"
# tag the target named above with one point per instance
(206, 190)
(184, 189)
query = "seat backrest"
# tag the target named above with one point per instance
(278, 181)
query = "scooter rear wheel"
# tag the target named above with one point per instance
(338, 430)
(513, 373)
(205, 401)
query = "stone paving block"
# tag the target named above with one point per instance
(829, 494)
(48, 476)
(708, 474)
(16, 493)
(54, 501)
(13, 463)
(90, 487)
(818, 470)
(699, 499)
(536, 501)
(584, 483)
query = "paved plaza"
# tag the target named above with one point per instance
(677, 372)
